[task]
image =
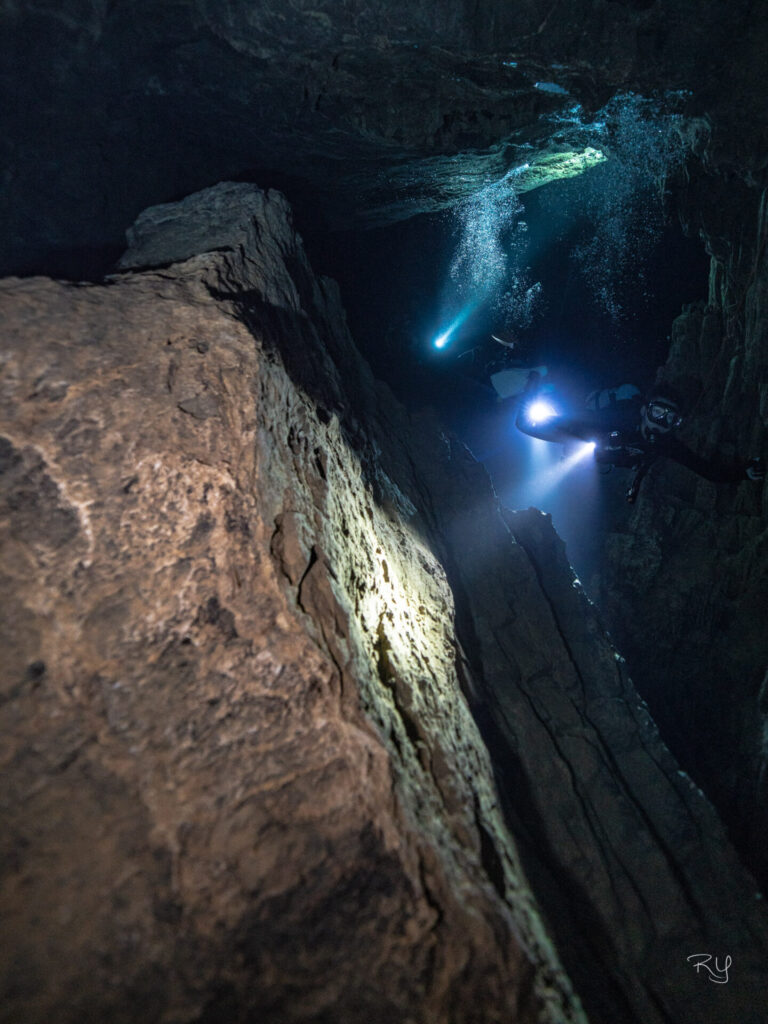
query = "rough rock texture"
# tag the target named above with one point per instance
(372, 109)
(684, 583)
(240, 778)
(624, 854)
(241, 781)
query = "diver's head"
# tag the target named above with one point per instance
(660, 415)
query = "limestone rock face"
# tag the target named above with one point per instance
(240, 778)
(248, 608)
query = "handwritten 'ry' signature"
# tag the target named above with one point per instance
(719, 974)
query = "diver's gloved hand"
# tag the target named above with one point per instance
(755, 469)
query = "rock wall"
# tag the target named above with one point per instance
(684, 583)
(248, 606)
(371, 110)
(240, 779)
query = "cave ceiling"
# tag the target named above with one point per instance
(366, 112)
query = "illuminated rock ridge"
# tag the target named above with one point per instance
(251, 606)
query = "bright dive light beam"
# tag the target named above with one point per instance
(584, 449)
(551, 477)
(442, 339)
(540, 411)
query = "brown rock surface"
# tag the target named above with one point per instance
(241, 780)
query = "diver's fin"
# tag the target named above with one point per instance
(506, 342)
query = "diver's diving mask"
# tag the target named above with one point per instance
(660, 416)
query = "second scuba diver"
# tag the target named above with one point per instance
(629, 432)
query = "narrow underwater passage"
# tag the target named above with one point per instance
(565, 483)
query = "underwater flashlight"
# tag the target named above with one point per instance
(540, 411)
(442, 339)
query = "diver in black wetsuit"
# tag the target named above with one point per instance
(630, 433)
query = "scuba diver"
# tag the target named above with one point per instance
(627, 431)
